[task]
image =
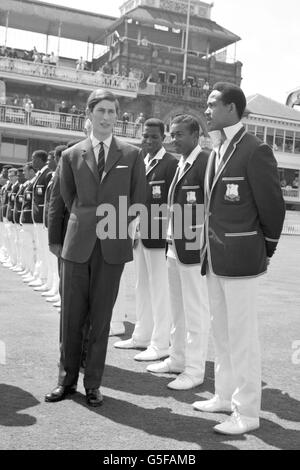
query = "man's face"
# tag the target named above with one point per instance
(12, 177)
(103, 118)
(51, 163)
(152, 139)
(21, 176)
(36, 163)
(183, 139)
(217, 113)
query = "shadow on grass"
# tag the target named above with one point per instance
(12, 401)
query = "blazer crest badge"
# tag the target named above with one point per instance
(232, 193)
(191, 197)
(156, 192)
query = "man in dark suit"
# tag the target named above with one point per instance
(94, 175)
(152, 329)
(42, 178)
(244, 215)
(188, 292)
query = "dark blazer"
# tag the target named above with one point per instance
(159, 178)
(38, 195)
(189, 196)
(244, 209)
(26, 211)
(5, 192)
(11, 201)
(18, 203)
(83, 193)
(47, 200)
(58, 214)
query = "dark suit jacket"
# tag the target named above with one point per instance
(38, 195)
(5, 190)
(58, 214)
(159, 178)
(189, 196)
(83, 193)
(18, 203)
(244, 209)
(11, 201)
(26, 211)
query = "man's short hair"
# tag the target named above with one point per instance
(99, 95)
(29, 165)
(231, 93)
(191, 123)
(41, 154)
(154, 122)
(13, 171)
(59, 150)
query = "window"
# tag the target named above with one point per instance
(260, 132)
(297, 142)
(161, 77)
(270, 136)
(13, 150)
(172, 78)
(279, 140)
(251, 129)
(289, 141)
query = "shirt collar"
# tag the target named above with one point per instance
(160, 154)
(95, 141)
(43, 169)
(191, 158)
(229, 131)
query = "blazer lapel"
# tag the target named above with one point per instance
(152, 167)
(114, 154)
(228, 154)
(89, 158)
(210, 172)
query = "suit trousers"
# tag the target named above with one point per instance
(190, 316)
(89, 288)
(152, 299)
(233, 307)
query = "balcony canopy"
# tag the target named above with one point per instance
(44, 18)
(218, 36)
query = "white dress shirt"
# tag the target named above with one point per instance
(221, 146)
(96, 146)
(148, 159)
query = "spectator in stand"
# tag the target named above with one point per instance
(74, 119)
(53, 59)
(28, 107)
(106, 69)
(80, 64)
(139, 124)
(16, 100)
(63, 110)
(295, 183)
(99, 77)
(46, 62)
(125, 120)
(3, 51)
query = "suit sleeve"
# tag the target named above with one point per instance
(67, 183)
(138, 190)
(56, 213)
(267, 193)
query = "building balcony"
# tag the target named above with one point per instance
(186, 93)
(66, 77)
(52, 125)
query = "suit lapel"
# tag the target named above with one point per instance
(89, 158)
(114, 154)
(228, 154)
(152, 167)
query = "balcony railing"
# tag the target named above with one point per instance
(53, 120)
(184, 92)
(24, 67)
(291, 193)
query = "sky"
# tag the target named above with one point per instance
(270, 39)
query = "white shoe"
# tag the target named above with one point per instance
(163, 368)
(28, 279)
(55, 298)
(57, 304)
(50, 293)
(184, 382)
(151, 354)
(42, 288)
(215, 405)
(130, 344)
(237, 424)
(117, 328)
(36, 283)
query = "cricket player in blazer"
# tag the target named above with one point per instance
(244, 214)
(152, 328)
(188, 292)
(95, 172)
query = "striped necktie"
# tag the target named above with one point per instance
(150, 164)
(101, 160)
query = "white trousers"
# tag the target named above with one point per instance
(233, 306)
(120, 311)
(41, 240)
(28, 248)
(152, 299)
(190, 316)
(10, 241)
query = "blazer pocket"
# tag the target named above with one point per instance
(122, 166)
